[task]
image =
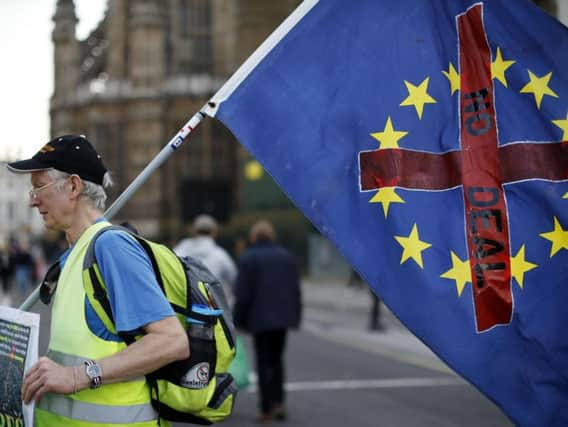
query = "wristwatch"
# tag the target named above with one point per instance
(94, 373)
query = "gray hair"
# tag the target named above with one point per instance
(205, 225)
(94, 192)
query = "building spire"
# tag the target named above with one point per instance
(65, 50)
(65, 20)
(65, 11)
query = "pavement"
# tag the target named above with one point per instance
(341, 313)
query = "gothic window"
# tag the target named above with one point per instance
(195, 26)
(183, 15)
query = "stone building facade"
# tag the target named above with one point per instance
(138, 77)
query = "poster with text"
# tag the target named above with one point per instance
(19, 337)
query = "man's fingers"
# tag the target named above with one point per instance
(35, 378)
(29, 379)
(33, 369)
(30, 389)
(40, 392)
(47, 376)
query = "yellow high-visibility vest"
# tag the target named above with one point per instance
(71, 343)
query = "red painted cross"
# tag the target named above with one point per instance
(481, 167)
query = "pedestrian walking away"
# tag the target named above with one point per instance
(203, 247)
(68, 180)
(5, 275)
(267, 304)
(22, 265)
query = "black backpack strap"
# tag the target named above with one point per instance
(94, 286)
(100, 293)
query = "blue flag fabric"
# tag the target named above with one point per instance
(425, 139)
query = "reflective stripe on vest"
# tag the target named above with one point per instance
(67, 407)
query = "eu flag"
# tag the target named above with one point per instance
(427, 140)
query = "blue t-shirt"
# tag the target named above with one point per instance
(135, 296)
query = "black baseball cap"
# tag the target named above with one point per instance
(69, 153)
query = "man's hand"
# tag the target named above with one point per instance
(47, 376)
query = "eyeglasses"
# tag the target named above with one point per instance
(33, 193)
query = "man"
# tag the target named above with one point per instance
(203, 247)
(68, 180)
(22, 264)
(268, 303)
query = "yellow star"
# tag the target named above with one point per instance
(386, 196)
(558, 237)
(418, 96)
(453, 77)
(389, 137)
(519, 266)
(460, 272)
(412, 246)
(538, 86)
(563, 124)
(498, 67)
(565, 195)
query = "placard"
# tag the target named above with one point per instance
(19, 337)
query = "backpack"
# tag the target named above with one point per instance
(197, 390)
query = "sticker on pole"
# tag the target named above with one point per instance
(176, 142)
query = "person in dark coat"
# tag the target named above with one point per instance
(267, 304)
(5, 273)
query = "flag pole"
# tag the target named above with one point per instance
(172, 145)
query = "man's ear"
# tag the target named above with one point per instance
(76, 186)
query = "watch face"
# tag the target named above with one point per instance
(93, 371)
